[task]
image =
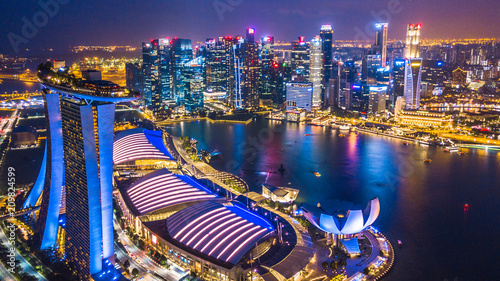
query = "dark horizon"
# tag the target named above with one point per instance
(131, 22)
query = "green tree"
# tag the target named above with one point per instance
(126, 264)
(135, 271)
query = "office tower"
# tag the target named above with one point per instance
(215, 65)
(432, 75)
(299, 95)
(370, 64)
(133, 75)
(157, 76)
(247, 72)
(194, 71)
(181, 52)
(413, 80)
(284, 76)
(229, 42)
(381, 41)
(80, 125)
(398, 73)
(316, 71)
(300, 60)
(400, 105)
(326, 34)
(347, 78)
(412, 49)
(377, 96)
(268, 70)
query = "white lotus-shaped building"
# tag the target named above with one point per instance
(340, 217)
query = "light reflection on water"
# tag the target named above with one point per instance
(422, 204)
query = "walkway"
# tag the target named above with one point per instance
(22, 262)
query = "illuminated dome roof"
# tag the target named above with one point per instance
(225, 231)
(340, 217)
(138, 144)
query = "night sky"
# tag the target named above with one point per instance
(129, 22)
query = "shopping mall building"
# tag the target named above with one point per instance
(199, 224)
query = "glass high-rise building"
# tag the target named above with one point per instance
(80, 126)
(412, 49)
(268, 69)
(181, 53)
(380, 45)
(316, 70)
(215, 65)
(413, 82)
(326, 34)
(300, 60)
(156, 69)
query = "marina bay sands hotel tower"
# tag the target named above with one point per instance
(78, 163)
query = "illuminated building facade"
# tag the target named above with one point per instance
(413, 80)
(412, 49)
(398, 72)
(377, 99)
(247, 71)
(316, 71)
(424, 118)
(215, 60)
(381, 30)
(299, 95)
(300, 60)
(79, 164)
(181, 53)
(268, 69)
(156, 70)
(326, 34)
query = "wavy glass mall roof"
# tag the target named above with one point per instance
(139, 144)
(224, 231)
(161, 189)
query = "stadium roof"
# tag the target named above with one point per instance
(138, 144)
(224, 231)
(161, 189)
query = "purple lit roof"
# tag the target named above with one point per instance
(138, 144)
(161, 189)
(224, 231)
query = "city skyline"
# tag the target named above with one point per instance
(116, 24)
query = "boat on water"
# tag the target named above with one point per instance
(317, 174)
(341, 135)
(344, 127)
(461, 153)
(400, 244)
(466, 207)
(405, 143)
(451, 149)
(428, 161)
(307, 135)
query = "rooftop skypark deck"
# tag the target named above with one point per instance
(60, 80)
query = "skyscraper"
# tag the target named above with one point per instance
(412, 49)
(380, 45)
(326, 34)
(268, 69)
(215, 60)
(300, 60)
(315, 70)
(251, 69)
(181, 52)
(80, 124)
(156, 69)
(413, 81)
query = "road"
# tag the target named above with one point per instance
(23, 263)
(141, 259)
